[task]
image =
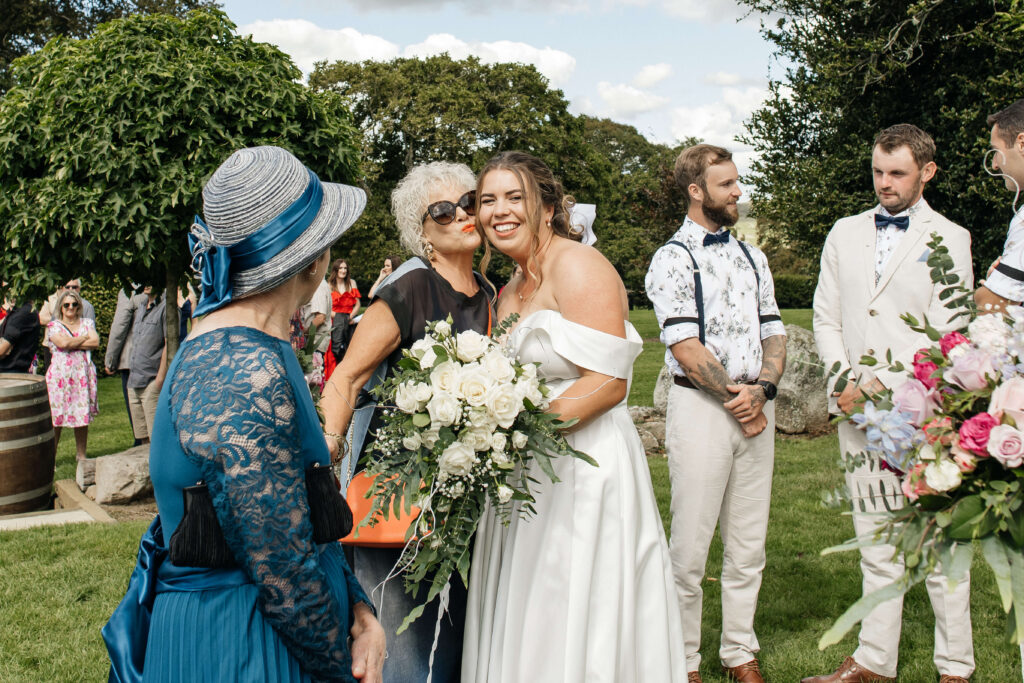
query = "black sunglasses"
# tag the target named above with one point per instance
(69, 304)
(443, 212)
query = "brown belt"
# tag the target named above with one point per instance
(683, 382)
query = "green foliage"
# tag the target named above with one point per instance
(105, 142)
(858, 67)
(26, 25)
(794, 291)
(102, 294)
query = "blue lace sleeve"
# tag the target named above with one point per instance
(234, 411)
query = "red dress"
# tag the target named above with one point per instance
(341, 303)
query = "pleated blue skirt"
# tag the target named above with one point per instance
(221, 635)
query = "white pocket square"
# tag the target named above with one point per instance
(924, 256)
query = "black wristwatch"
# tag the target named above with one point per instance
(770, 390)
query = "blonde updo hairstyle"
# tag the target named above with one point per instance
(411, 196)
(541, 190)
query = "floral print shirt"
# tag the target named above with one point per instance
(738, 313)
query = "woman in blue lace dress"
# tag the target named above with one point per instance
(236, 415)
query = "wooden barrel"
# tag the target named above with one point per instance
(27, 448)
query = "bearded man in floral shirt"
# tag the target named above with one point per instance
(726, 348)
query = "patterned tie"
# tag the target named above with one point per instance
(716, 238)
(901, 222)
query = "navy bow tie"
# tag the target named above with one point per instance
(716, 238)
(901, 222)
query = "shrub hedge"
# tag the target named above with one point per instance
(793, 290)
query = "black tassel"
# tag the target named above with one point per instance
(328, 509)
(198, 541)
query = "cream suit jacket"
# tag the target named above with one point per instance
(853, 316)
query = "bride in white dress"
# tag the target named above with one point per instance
(582, 591)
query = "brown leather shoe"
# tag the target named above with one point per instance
(850, 672)
(748, 672)
(946, 678)
(693, 677)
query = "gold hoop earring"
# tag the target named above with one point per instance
(429, 249)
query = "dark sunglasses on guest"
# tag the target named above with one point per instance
(69, 304)
(72, 287)
(443, 212)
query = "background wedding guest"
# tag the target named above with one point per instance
(279, 605)
(390, 264)
(71, 377)
(1005, 282)
(433, 209)
(47, 312)
(147, 364)
(19, 337)
(317, 312)
(873, 270)
(119, 341)
(715, 301)
(344, 307)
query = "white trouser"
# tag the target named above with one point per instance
(718, 477)
(873, 490)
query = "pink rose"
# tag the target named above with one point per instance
(924, 369)
(971, 370)
(950, 340)
(1006, 444)
(914, 485)
(974, 433)
(917, 399)
(1008, 397)
(967, 462)
(939, 430)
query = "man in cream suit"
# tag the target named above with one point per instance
(874, 268)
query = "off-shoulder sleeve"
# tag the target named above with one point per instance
(237, 423)
(583, 346)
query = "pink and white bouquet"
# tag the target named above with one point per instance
(463, 421)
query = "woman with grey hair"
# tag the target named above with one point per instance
(434, 207)
(240, 576)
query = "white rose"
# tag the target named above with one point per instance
(420, 346)
(477, 439)
(504, 404)
(442, 329)
(470, 345)
(430, 437)
(445, 377)
(422, 392)
(530, 370)
(942, 475)
(504, 494)
(529, 388)
(411, 442)
(989, 333)
(444, 408)
(482, 419)
(497, 366)
(405, 398)
(428, 359)
(518, 439)
(500, 459)
(474, 383)
(499, 441)
(458, 459)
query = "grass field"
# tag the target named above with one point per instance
(59, 584)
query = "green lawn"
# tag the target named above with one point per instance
(60, 584)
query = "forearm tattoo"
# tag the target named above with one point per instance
(709, 376)
(774, 362)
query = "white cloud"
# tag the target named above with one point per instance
(721, 122)
(306, 42)
(723, 78)
(652, 74)
(556, 65)
(625, 101)
(704, 10)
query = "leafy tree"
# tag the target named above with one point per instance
(858, 67)
(105, 144)
(26, 25)
(413, 111)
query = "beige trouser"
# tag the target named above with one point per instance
(142, 402)
(873, 491)
(718, 478)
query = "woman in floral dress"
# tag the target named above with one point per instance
(71, 377)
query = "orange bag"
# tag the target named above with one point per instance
(385, 533)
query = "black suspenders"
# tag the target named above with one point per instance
(698, 292)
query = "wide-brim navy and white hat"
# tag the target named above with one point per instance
(267, 217)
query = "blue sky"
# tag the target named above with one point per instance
(672, 68)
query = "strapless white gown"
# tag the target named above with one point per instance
(583, 590)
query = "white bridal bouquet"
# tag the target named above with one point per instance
(462, 423)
